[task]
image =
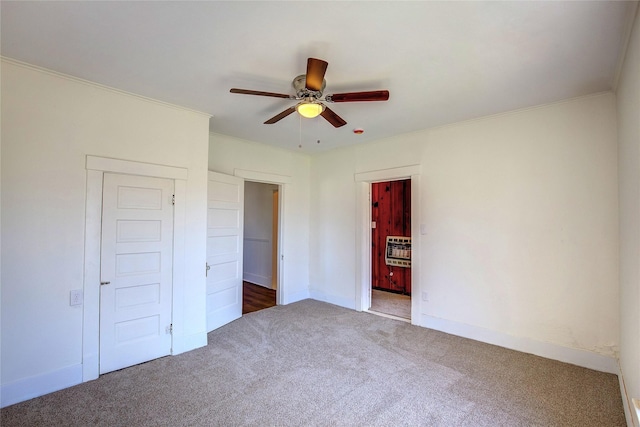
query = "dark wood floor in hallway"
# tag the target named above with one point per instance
(256, 297)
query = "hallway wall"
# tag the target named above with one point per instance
(258, 233)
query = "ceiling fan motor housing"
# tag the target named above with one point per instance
(300, 86)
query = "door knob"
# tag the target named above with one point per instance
(104, 283)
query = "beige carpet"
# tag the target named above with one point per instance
(390, 303)
(315, 364)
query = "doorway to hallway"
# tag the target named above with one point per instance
(260, 254)
(227, 247)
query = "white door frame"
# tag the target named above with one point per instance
(363, 233)
(96, 167)
(282, 181)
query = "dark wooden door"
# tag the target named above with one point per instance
(391, 213)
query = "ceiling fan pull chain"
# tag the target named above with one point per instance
(300, 131)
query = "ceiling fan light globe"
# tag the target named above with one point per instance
(310, 109)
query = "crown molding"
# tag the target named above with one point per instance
(32, 67)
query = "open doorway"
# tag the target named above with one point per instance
(363, 234)
(260, 246)
(391, 248)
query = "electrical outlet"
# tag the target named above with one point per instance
(75, 297)
(425, 296)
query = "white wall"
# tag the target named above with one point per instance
(50, 124)
(258, 232)
(227, 155)
(628, 97)
(0, 231)
(520, 211)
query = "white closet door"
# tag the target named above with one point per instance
(225, 220)
(136, 270)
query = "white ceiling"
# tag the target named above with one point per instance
(442, 62)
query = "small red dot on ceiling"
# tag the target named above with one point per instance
(358, 131)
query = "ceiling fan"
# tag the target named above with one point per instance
(309, 91)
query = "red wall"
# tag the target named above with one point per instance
(391, 211)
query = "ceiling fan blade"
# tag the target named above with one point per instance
(256, 92)
(332, 117)
(315, 73)
(375, 95)
(280, 116)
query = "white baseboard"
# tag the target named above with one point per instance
(332, 299)
(295, 297)
(257, 279)
(631, 411)
(586, 359)
(39, 385)
(184, 343)
(28, 388)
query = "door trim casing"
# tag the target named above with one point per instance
(363, 233)
(96, 167)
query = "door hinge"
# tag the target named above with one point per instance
(173, 199)
(169, 329)
(206, 271)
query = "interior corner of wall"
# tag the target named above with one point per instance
(184, 343)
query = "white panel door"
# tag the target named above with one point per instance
(136, 270)
(225, 219)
